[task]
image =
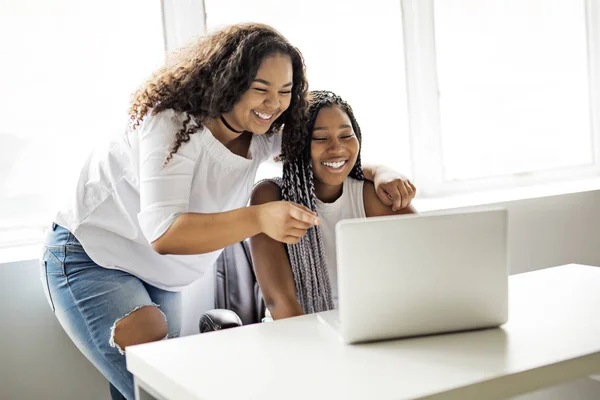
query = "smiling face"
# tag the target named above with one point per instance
(334, 150)
(268, 97)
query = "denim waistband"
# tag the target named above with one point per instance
(60, 236)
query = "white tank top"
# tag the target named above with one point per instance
(349, 205)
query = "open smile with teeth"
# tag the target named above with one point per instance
(335, 165)
(266, 117)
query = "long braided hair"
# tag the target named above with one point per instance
(307, 257)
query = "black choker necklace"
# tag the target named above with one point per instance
(229, 126)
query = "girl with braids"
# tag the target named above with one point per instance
(322, 171)
(152, 211)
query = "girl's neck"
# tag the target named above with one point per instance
(238, 144)
(328, 193)
(220, 131)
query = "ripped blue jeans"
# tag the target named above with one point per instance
(88, 300)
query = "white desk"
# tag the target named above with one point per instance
(553, 336)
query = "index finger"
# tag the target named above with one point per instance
(396, 198)
(304, 215)
(384, 197)
(404, 194)
(303, 207)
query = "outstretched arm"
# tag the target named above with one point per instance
(165, 189)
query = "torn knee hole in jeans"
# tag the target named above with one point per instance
(112, 341)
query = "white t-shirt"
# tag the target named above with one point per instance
(126, 198)
(349, 205)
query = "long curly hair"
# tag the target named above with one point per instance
(207, 77)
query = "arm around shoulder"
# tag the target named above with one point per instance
(375, 208)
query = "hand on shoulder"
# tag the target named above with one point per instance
(375, 208)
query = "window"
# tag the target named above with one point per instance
(499, 93)
(68, 69)
(502, 93)
(462, 95)
(351, 47)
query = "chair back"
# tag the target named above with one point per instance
(236, 288)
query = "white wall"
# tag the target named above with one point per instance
(553, 230)
(37, 360)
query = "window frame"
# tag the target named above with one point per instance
(182, 20)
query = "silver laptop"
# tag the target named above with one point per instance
(420, 274)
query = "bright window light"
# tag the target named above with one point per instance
(513, 86)
(67, 71)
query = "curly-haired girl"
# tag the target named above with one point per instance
(153, 210)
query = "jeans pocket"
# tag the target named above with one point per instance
(54, 259)
(45, 284)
